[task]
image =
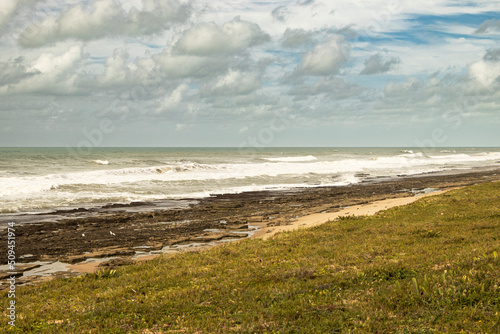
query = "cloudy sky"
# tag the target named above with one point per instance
(249, 73)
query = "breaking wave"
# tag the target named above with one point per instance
(186, 178)
(292, 159)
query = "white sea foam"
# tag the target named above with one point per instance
(190, 179)
(195, 171)
(101, 162)
(292, 159)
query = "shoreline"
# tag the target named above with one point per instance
(368, 209)
(304, 222)
(87, 210)
(213, 220)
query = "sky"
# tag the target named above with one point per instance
(242, 73)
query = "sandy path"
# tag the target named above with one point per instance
(356, 210)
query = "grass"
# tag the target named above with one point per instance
(429, 267)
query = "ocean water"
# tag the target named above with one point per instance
(43, 179)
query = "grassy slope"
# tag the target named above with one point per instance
(432, 266)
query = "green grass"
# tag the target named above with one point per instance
(430, 267)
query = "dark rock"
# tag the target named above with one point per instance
(116, 262)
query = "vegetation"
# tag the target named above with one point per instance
(429, 267)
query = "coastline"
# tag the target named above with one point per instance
(367, 209)
(212, 220)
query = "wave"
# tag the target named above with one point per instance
(181, 168)
(292, 159)
(297, 166)
(12, 186)
(176, 178)
(91, 199)
(101, 162)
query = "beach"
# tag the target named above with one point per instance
(431, 264)
(72, 245)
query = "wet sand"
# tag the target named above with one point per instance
(121, 235)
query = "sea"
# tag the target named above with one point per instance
(40, 180)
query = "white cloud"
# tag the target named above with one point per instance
(244, 106)
(183, 66)
(376, 64)
(172, 100)
(488, 26)
(7, 11)
(49, 73)
(326, 58)
(183, 127)
(296, 37)
(243, 129)
(234, 83)
(485, 72)
(49, 63)
(14, 70)
(280, 13)
(430, 57)
(210, 39)
(446, 96)
(117, 70)
(332, 88)
(104, 18)
(373, 16)
(492, 55)
(204, 39)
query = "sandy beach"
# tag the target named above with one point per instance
(368, 209)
